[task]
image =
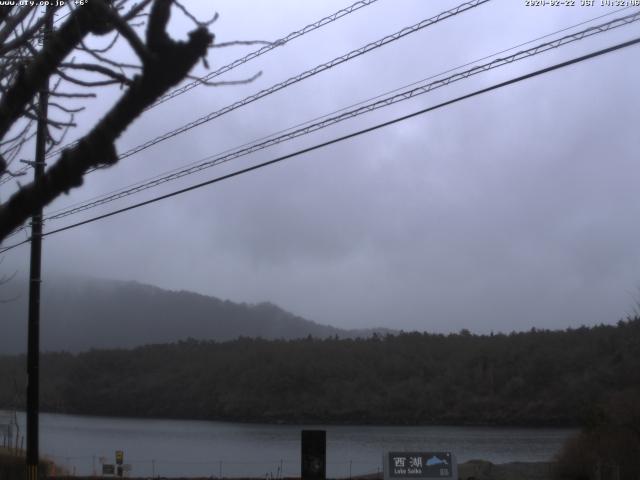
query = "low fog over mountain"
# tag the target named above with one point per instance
(79, 314)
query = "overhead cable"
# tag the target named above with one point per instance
(420, 89)
(344, 137)
(289, 129)
(298, 78)
(261, 51)
(247, 58)
(306, 74)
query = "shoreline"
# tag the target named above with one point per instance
(10, 464)
(470, 470)
(315, 422)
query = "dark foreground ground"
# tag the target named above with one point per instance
(472, 470)
(12, 468)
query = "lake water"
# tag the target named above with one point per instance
(199, 448)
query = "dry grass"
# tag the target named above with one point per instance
(12, 464)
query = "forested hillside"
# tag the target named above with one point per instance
(83, 313)
(532, 378)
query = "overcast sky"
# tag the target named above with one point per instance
(511, 210)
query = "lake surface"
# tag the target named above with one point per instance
(200, 448)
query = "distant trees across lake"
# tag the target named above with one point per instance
(538, 377)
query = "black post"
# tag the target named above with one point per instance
(33, 347)
(314, 455)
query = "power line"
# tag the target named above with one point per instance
(254, 146)
(306, 74)
(18, 173)
(250, 56)
(385, 102)
(272, 141)
(318, 146)
(175, 170)
(261, 51)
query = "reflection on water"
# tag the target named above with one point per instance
(199, 448)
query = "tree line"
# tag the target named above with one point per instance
(539, 377)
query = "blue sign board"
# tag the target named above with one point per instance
(418, 465)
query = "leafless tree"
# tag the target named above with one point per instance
(73, 71)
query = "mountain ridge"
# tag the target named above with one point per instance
(81, 313)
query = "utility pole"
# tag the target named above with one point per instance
(33, 347)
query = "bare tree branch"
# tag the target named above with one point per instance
(198, 23)
(12, 22)
(109, 46)
(135, 10)
(128, 33)
(92, 67)
(86, 83)
(66, 109)
(18, 135)
(25, 36)
(97, 55)
(50, 121)
(72, 95)
(31, 79)
(167, 63)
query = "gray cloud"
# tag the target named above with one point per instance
(503, 212)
